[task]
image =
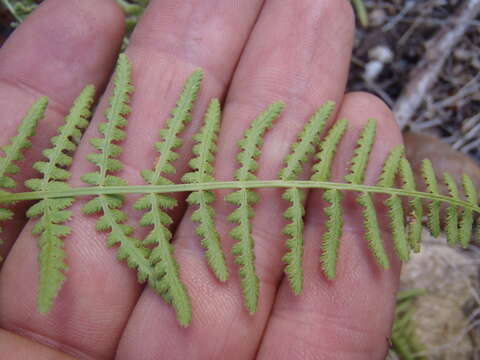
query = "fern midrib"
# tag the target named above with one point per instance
(133, 251)
(6, 197)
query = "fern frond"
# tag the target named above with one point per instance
(13, 151)
(357, 173)
(414, 228)
(466, 221)
(244, 199)
(108, 206)
(434, 206)
(52, 213)
(451, 218)
(394, 203)
(203, 172)
(167, 282)
(293, 165)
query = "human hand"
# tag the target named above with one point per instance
(253, 53)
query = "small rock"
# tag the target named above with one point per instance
(381, 53)
(377, 17)
(372, 70)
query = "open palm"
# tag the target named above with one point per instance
(253, 52)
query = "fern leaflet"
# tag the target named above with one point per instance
(52, 212)
(434, 207)
(168, 282)
(244, 199)
(13, 151)
(414, 228)
(112, 218)
(334, 225)
(203, 172)
(356, 176)
(394, 203)
(293, 165)
(466, 221)
(451, 220)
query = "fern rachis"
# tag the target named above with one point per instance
(153, 258)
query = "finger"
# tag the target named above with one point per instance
(349, 317)
(59, 49)
(95, 302)
(17, 347)
(303, 63)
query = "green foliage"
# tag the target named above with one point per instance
(356, 176)
(322, 172)
(466, 220)
(451, 228)
(404, 339)
(13, 151)
(167, 281)
(294, 162)
(153, 257)
(112, 218)
(52, 213)
(434, 206)
(19, 9)
(414, 228)
(394, 203)
(202, 166)
(244, 199)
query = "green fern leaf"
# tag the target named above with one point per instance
(434, 207)
(321, 172)
(451, 219)
(108, 206)
(203, 172)
(52, 212)
(394, 203)
(18, 143)
(13, 151)
(466, 221)
(415, 227)
(372, 230)
(328, 147)
(168, 282)
(333, 233)
(356, 176)
(293, 166)
(244, 199)
(362, 153)
(391, 167)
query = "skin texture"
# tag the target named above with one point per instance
(253, 52)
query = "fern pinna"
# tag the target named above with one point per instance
(153, 257)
